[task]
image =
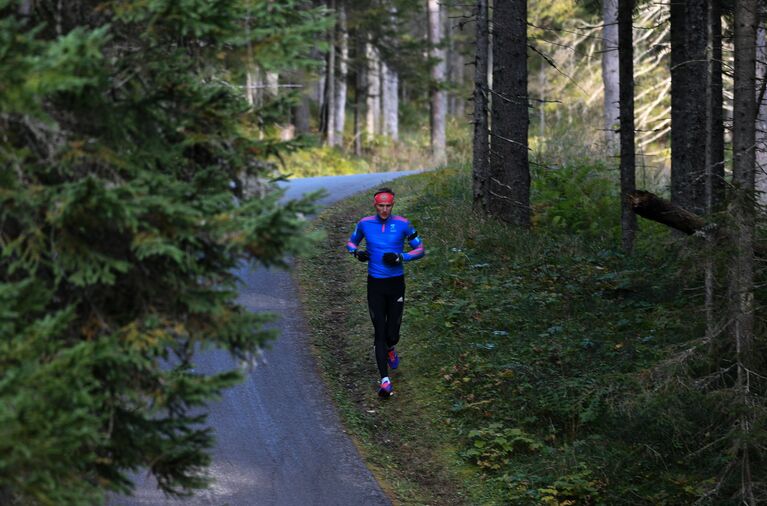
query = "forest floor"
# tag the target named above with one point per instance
(528, 360)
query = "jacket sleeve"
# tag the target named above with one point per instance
(416, 243)
(354, 240)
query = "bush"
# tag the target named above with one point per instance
(491, 447)
(579, 197)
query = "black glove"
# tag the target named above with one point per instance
(361, 255)
(392, 258)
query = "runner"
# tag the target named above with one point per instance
(385, 236)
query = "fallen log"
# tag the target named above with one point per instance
(652, 207)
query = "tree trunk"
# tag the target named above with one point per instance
(328, 115)
(438, 94)
(714, 169)
(455, 73)
(390, 105)
(301, 114)
(650, 206)
(509, 182)
(542, 91)
(360, 90)
(373, 87)
(319, 88)
(272, 87)
(743, 212)
(761, 119)
(678, 116)
(343, 72)
(626, 79)
(610, 72)
(481, 148)
(459, 100)
(696, 28)
(688, 109)
(251, 85)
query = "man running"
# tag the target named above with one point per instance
(385, 236)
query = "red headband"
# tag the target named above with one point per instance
(384, 198)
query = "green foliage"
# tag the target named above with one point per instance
(322, 161)
(565, 70)
(577, 197)
(551, 367)
(493, 446)
(577, 487)
(543, 342)
(123, 219)
(381, 154)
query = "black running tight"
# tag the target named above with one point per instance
(386, 300)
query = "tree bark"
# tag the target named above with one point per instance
(319, 88)
(626, 79)
(654, 208)
(390, 105)
(459, 99)
(301, 114)
(650, 206)
(455, 72)
(610, 73)
(509, 182)
(696, 38)
(272, 87)
(678, 117)
(438, 93)
(360, 89)
(714, 168)
(743, 212)
(373, 73)
(251, 85)
(343, 72)
(688, 107)
(761, 118)
(542, 92)
(481, 147)
(328, 112)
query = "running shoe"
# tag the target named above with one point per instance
(386, 388)
(392, 359)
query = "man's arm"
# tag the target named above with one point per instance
(354, 240)
(416, 243)
(352, 245)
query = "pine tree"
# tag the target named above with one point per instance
(508, 187)
(124, 154)
(481, 140)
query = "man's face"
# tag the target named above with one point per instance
(383, 210)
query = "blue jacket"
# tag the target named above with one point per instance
(385, 236)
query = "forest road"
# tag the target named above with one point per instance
(279, 440)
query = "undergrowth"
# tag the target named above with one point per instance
(380, 154)
(529, 359)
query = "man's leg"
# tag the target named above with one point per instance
(394, 308)
(377, 309)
